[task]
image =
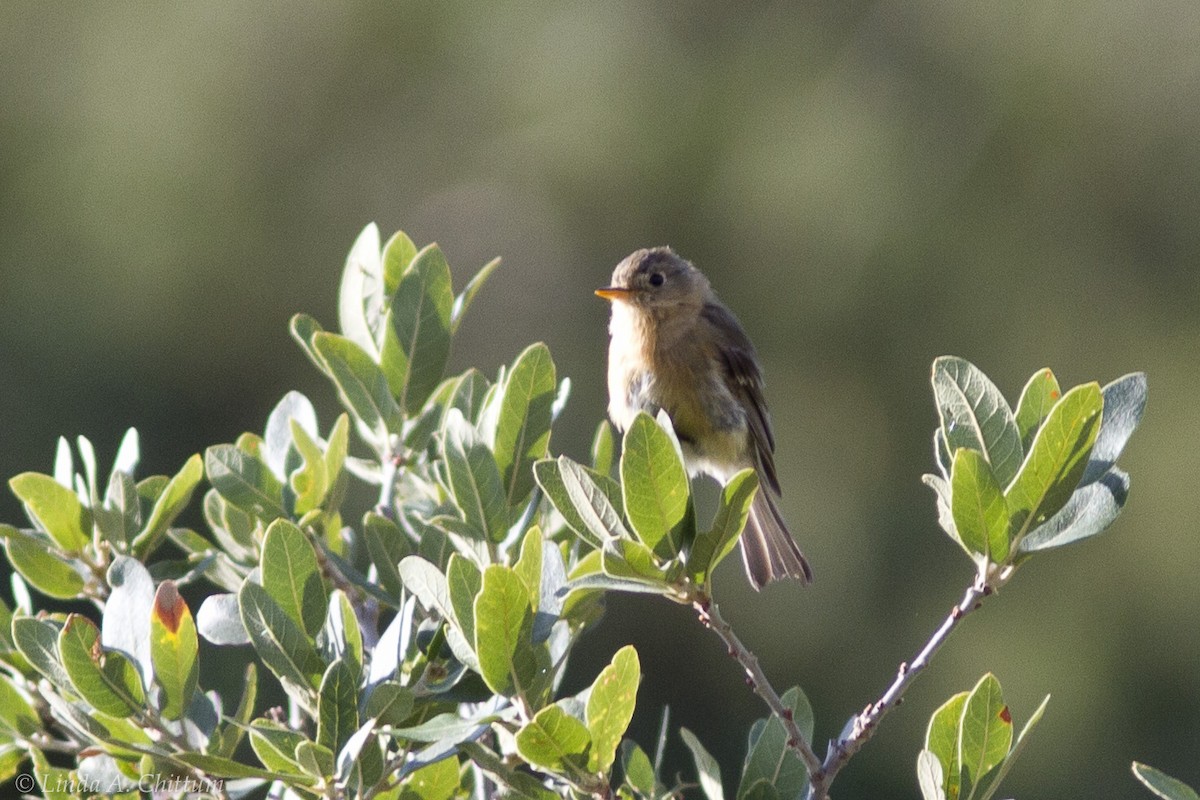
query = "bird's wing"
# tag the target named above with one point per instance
(746, 382)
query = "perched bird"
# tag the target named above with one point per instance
(675, 347)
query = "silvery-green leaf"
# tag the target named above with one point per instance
(974, 414)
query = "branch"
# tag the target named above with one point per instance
(711, 617)
(862, 727)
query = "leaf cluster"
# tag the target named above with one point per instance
(420, 643)
(1012, 483)
(970, 746)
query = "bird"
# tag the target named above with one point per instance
(674, 346)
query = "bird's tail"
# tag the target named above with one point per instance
(768, 549)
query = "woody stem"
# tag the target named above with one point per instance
(711, 617)
(862, 727)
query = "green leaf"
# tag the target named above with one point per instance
(444, 727)
(37, 640)
(311, 481)
(464, 300)
(291, 575)
(428, 583)
(578, 496)
(421, 315)
(278, 446)
(56, 509)
(1037, 398)
(467, 393)
(17, 715)
(361, 295)
(942, 739)
(604, 449)
(464, 581)
(398, 254)
(362, 387)
(433, 544)
(233, 528)
(711, 547)
(706, 766)
(51, 778)
(474, 478)
(1056, 460)
(45, 571)
(128, 453)
(315, 760)
(337, 706)
(280, 643)
(610, 707)
(503, 628)
(106, 679)
(1124, 404)
(245, 481)
(1162, 784)
(993, 778)
(930, 776)
(174, 650)
(169, 505)
(390, 703)
(121, 517)
(275, 746)
(360, 760)
(335, 455)
(1089, 511)
(219, 620)
(655, 485)
(639, 772)
(235, 729)
(977, 504)
(393, 361)
(555, 741)
(986, 729)
(517, 785)
(11, 759)
(218, 767)
(625, 558)
(587, 584)
(770, 763)
(341, 638)
(303, 328)
(523, 427)
(529, 565)
(941, 488)
(386, 545)
(974, 414)
(437, 781)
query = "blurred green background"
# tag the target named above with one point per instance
(868, 185)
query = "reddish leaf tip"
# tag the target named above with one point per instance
(169, 607)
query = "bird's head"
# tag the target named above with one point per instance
(656, 280)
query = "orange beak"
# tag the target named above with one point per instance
(613, 293)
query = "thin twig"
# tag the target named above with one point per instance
(864, 725)
(711, 617)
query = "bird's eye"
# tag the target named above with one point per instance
(656, 279)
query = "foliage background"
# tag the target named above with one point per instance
(869, 185)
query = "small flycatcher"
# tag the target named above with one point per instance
(675, 347)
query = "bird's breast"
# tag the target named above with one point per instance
(687, 382)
